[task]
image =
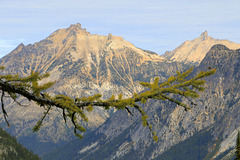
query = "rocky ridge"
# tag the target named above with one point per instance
(213, 123)
(82, 64)
(194, 51)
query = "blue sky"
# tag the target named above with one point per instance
(156, 25)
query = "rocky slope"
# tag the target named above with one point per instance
(227, 79)
(207, 131)
(82, 64)
(194, 51)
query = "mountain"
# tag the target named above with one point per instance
(11, 149)
(207, 131)
(194, 51)
(82, 64)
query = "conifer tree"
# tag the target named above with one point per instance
(237, 149)
(13, 86)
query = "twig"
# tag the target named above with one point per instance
(127, 109)
(3, 109)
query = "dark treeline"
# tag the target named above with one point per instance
(11, 149)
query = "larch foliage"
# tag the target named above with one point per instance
(74, 110)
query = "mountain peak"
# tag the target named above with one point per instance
(204, 34)
(75, 26)
(194, 51)
(75, 29)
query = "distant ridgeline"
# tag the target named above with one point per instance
(10, 149)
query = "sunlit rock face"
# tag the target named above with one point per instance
(194, 51)
(82, 64)
(211, 126)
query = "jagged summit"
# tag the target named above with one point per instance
(204, 34)
(77, 26)
(74, 46)
(80, 44)
(75, 30)
(194, 51)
